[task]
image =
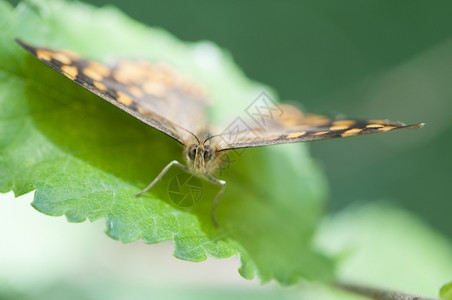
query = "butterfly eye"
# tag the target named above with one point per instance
(191, 151)
(208, 153)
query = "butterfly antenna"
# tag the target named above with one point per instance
(212, 136)
(235, 133)
(199, 142)
(194, 135)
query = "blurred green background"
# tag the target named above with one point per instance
(363, 59)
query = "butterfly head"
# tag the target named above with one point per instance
(199, 157)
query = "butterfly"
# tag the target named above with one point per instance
(155, 93)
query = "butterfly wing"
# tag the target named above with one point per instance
(293, 126)
(152, 93)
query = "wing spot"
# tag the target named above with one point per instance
(92, 74)
(321, 133)
(121, 76)
(294, 135)
(137, 92)
(155, 89)
(96, 71)
(63, 58)
(339, 127)
(43, 54)
(100, 86)
(141, 110)
(351, 132)
(272, 138)
(374, 126)
(386, 128)
(70, 71)
(128, 71)
(344, 123)
(124, 98)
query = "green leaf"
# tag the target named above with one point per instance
(86, 159)
(386, 247)
(446, 291)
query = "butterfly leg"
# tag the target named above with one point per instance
(165, 169)
(222, 183)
